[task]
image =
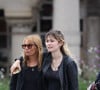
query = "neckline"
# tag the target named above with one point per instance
(32, 66)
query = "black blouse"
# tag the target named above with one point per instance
(32, 79)
(53, 79)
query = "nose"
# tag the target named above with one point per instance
(48, 43)
(26, 47)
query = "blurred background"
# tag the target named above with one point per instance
(79, 20)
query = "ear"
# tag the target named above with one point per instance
(61, 43)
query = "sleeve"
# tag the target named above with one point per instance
(13, 82)
(20, 58)
(97, 82)
(72, 76)
(98, 77)
(43, 86)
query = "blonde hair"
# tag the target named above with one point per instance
(60, 38)
(38, 42)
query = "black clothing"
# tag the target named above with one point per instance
(97, 82)
(98, 77)
(53, 79)
(30, 78)
(68, 72)
(66, 77)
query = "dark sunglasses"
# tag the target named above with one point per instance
(29, 46)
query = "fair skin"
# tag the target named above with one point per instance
(31, 53)
(53, 46)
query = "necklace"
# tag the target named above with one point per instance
(55, 64)
(54, 68)
(32, 69)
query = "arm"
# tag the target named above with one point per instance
(15, 68)
(13, 82)
(72, 73)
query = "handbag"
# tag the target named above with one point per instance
(90, 86)
(94, 86)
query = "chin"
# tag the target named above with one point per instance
(49, 50)
(27, 54)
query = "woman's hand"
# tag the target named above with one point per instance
(15, 68)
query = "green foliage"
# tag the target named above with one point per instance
(83, 84)
(4, 84)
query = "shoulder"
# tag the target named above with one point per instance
(70, 66)
(68, 61)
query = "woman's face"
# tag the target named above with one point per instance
(52, 44)
(29, 48)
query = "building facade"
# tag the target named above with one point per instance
(77, 19)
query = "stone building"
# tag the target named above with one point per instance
(79, 20)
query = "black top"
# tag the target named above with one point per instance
(97, 82)
(53, 79)
(32, 79)
(68, 73)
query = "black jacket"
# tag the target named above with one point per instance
(68, 72)
(17, 80)
(97, 81)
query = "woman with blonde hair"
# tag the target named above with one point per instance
(59, 69)
(29, 76)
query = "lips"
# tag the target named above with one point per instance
(49, 47)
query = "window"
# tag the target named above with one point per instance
(3, 34)
(1, 13)
(46, 10)
(3, 41)
(46, 16)
(81, 30)
(81, 25)
(44, 20)
(34, 29)
(45, 25)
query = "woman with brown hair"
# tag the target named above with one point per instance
(59, 69)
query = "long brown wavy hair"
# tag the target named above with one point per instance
(60, 38)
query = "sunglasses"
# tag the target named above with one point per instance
(29, 46)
